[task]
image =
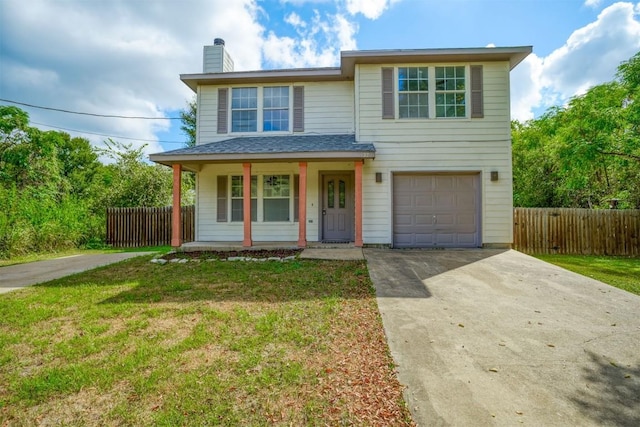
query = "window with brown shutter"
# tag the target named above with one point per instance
(388, 101)
(223, 107)
(298, 108)
(477, 102)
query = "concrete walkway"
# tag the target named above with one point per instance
(18, 276)
(489, 337)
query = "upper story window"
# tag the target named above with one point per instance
(260, 109)
(413, 92)
(275, 109)
(451, 94)
(432, 92)
(271, 108)
(244, 109)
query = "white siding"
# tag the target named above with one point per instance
(437, 145)
(431, 145)
(329, 108)
(462, 156)
(371, 127)
(208, 229)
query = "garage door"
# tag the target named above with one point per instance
(436, 210)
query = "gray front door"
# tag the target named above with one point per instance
(337, 208)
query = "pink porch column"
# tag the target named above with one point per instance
(176, 225)
(358, 166)
(302, 206)
(246, 204)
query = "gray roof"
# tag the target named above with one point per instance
(271, 147)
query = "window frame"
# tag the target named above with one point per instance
(258, 198)
(260, 110)
(431, 92)
(244, 109)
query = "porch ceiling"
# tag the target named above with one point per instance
(269, 149)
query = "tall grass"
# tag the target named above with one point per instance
(38, 222)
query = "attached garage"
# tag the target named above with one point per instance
(436, 210)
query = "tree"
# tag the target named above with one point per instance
(130, 181)
(584, 154)
(188, 117)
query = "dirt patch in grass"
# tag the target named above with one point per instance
(292, 343)
(220, 255)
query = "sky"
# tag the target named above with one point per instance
(124, 57)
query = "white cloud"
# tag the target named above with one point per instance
(318, 44)
(294, 20)
(526, 88)
(119, 58)
(592, 3)
(589, 57)
(371, 9)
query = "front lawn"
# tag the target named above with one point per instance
(207, 343)
(621, 272)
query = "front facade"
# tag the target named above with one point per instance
(402, 148)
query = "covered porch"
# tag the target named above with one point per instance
(255, 191)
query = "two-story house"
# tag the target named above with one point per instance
(405, 148)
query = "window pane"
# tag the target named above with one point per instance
(276, 109)
(244, 97)
(254, 210)
(276, 120)
(244, 120)
(440, 111)
(276, 186)
(440, 84)
(254, 186)
(460, 111)
(331, 194)
(236, 186)
(236, 210)
(276, 209)
(342, 194)
(403, 73)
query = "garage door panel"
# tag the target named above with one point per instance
(436, 210)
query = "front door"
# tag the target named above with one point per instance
(337, 208)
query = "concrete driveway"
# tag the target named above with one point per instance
(490, 337)
(18, 276)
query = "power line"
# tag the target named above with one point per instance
(110, 136)
(89, 114)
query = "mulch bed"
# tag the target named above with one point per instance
(249, 253)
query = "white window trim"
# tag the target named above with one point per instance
(431, 93)
(260, 115)
(260, 198)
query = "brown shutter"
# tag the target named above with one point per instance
(222, 198)
(296, 197)
(388, 101)
(298, 108)
(477, 103)
(223, 108)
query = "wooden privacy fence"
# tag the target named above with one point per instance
(577, 231)
(135, 227)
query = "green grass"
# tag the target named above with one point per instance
(621, 272)
(207, 343)
(58, 254)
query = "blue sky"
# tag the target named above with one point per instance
(124, 57)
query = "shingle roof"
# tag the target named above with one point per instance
(269, 149)
(277, 144)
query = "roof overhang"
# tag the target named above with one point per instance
(264, 76)
(313, 156)
(513, 55)
(348, 60)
